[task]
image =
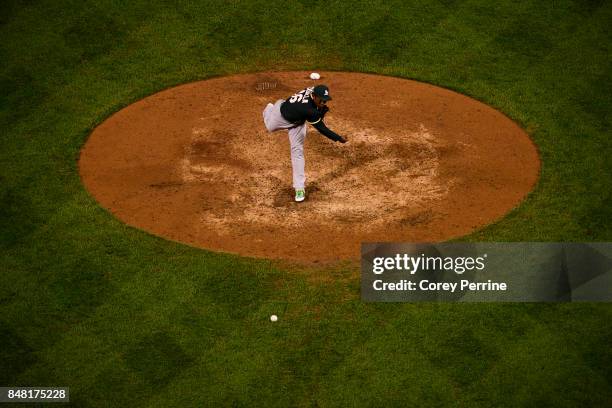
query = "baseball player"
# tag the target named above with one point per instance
(308, 105)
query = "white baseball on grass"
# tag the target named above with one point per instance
(315, 75)
(274, 318)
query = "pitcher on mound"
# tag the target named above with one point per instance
(308, 105)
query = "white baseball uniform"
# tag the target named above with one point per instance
(297, 135)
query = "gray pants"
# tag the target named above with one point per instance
(297, 134)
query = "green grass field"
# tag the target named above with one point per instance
(126, 319)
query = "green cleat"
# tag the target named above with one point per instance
(300, 195)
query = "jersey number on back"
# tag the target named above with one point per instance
(302, 96)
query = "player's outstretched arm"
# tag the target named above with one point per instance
(327, 132)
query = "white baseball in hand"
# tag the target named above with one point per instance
(315, 75)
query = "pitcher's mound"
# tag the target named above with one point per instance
(195, 164)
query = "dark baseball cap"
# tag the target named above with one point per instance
(322, 92)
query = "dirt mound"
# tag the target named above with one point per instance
(195, 164)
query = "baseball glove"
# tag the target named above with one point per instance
(323, 111)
